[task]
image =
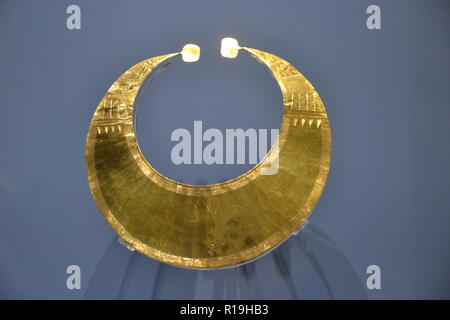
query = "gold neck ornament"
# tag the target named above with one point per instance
(210, 226)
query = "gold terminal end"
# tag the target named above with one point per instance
(190, 53)
(229, 48)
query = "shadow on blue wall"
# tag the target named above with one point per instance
(308, 265)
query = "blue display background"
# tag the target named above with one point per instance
(387, 97)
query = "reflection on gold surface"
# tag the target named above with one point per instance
(216, 225)
(229, 48)
(190, 53)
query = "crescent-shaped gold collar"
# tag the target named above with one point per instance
(210, 226)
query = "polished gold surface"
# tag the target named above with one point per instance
(216, 225)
